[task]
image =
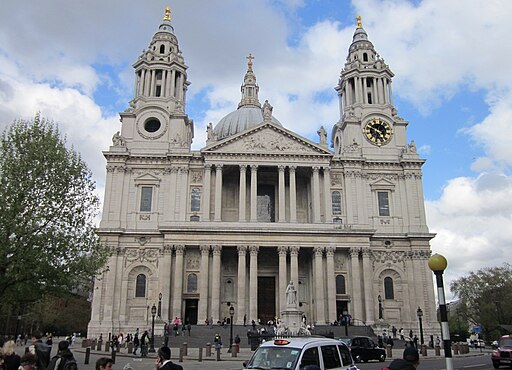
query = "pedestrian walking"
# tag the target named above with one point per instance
(64, 359)
(136, 343)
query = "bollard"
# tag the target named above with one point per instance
(237, 346)
(423, 349)
(107, 346)
(185, 349)
(218, 352)
(200, 354)
(99, 345)
(130, 348)
(113, 355)
(456, 349)
(181, 355)
(208, 349)
(87, 355)
(233, 350)
(389, 351)
(438, 350)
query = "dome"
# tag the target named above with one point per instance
(243, 118)
(249, 112)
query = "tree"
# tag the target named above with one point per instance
(48, 242)
(486, 298)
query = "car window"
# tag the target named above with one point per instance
(356, 342)
(371, 343)
(331, 357)
(365, 342)
(274, 357)
(345, 355)
(310, 357)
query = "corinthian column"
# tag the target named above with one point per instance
(241, 198)
(316, 194)
(218, 192)
(203, 286)
(293, 197)
(254, 193)
(327, 195)
(294, 265)
(368, 297)
(178, 280)
(282, 203)
(282, 277)
(253, 284)
(331, 286)
(206, 192)
(217, 249)
(242, 250)
(319, 286)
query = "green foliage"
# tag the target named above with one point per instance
(47, 208)
(486, 298)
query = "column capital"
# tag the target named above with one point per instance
(254, 250)
(179, 248)
(217, 249)
(254, 167)
(294, 250)
(183, 170)
(292, 168)
(354, 251)
(281, 168)
(207, 166)
(242, 250)
(318, 251)
(205, 249)
(243, 167)
(167, 249)
(316, 169)
(218, 167)
(326, 169)
(330, 250)
(282, 250)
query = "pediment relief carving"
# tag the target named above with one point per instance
(268, 140)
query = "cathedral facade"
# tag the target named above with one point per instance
(196, 232)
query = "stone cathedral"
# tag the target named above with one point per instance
(197, 232)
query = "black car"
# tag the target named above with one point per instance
(364, 349)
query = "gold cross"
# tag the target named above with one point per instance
(167, 16)
(359, 23)
(249, 58)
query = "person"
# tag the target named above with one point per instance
(401, 333)
(11, 360)
(415, 341)
(393, 330)
(41, 350)
(104, 363)
(28, 361)
(410, 360)
(189, 327)
(390, 342)
(144, 342)
(163, 360)
(253, 324)
(245, 319)
(64, 359)
(438, 341)
(136, 342)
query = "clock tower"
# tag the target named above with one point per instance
(369, 124)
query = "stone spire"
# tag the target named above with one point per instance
(249, 88)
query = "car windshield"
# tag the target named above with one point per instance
(506, 342)
(274, 358)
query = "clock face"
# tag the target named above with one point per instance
(377, 131)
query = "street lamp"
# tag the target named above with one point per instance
(160, 305)
(345, 316)
(419, 312)
(380, 306)
(153, 313)
(231, 314)
(437, 264)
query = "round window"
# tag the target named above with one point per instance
(152, 125)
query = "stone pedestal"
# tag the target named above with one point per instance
(292, 318)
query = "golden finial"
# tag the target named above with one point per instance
(359, 23)
(167, 16)
(249, 63)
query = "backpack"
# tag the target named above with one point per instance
(70, 365)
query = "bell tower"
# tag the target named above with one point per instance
(157, 111)
(368, 125)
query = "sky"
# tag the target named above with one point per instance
(72, 61)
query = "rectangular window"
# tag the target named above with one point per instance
(146, 197)
(383, 198)
(336, 202)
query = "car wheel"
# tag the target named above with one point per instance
(496, 364)
(382, 358)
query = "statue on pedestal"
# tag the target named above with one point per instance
(291, 295)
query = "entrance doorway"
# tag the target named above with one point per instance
(191, 311)
(341, 306)
(266, 298)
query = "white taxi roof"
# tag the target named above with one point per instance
(300, 342)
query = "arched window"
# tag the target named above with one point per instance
(388, 288)
(340, 284)
(336, 203)
(162, 49)
(192, 283)
(195, 200)
(140, 286)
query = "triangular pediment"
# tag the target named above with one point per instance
(267, 138)
(382, 183)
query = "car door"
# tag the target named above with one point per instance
(330, 357)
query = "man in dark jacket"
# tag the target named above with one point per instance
(41, 350)
(163, 360)
(62, 357)
(411, 360)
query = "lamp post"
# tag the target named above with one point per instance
(153, 313)
(160, 305)
(231, 314)
(419, 312)
(345, 316)
(380, 307)
(437, 264)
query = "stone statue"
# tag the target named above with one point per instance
(323, 135)
(291, 295)
(209, 131)
(267, 111)
(117, 139)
